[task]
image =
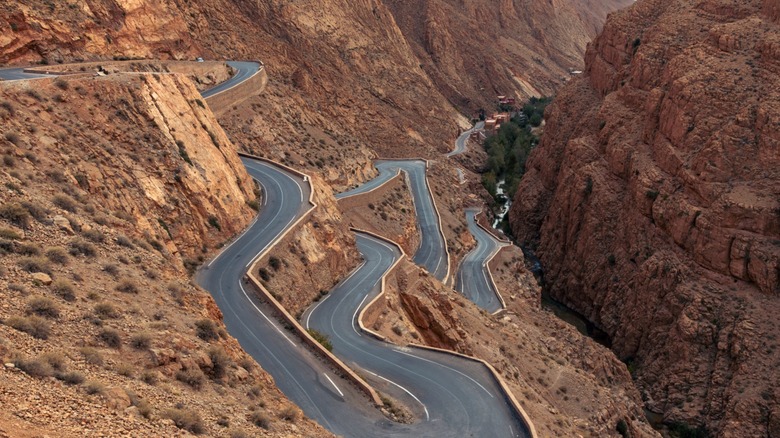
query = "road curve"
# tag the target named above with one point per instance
(460, 143)
(432, 253)
(244, 71)
(473, 279)
(451, 396)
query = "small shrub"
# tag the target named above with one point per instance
(95, 235)
(16, 214)
(32, 325)
(127, 286)
(13, 138)
(35, 367)
(206, 329)
(61, 84)
(652, 194)
(57, 255)
(149, 377)
(106, 311)
(7, 233)
(111, 338)
(214, 223)
(92, 388)
(65, 202)
(193, 377)
(219, 362)
(55, 359)
(186, 419)
(111, 270)
(125, 241)
(124, 369)
(290, 414)
(43, 306)
(91, 356)
(322, 338)
(260, 419)
(36, 211)
(141, 341)
(64, 289)
(264, 274)
(274, 263)
(35, 264)
(71, 378)
(28, 249)
(82, 247)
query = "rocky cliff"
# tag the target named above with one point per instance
(475, 50)
(653, 199)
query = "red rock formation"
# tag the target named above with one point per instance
(654, 199)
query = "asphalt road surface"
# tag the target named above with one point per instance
(244, 70)
(460, 143)
(450, 396)
(473, 280)
(432, 253)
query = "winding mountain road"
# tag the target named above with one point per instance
(432, 253)
(452, 397)
(460, 143)
(473, 279)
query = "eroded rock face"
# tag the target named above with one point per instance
(654, 200)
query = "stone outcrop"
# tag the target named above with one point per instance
(653, 201)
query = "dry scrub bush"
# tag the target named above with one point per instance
(32, 325)
(43, 306)
(186, 419)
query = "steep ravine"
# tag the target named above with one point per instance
(653, 202)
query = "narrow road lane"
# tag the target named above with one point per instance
(432, 253)
(473, 279)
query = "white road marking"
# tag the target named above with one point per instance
(445, 366)
(234, 241)
(427, 416)
(261, 312)
(308, 317)
(354, 315)
(334, 385)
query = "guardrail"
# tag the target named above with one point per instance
(292, 321)
(501, 383)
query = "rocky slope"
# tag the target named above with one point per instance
(111, 188)
(475, 50)
(653, 199)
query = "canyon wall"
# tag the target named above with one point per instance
(653, 200)
(476, 50)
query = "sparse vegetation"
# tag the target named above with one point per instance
(57, 255)
(64, 289)
(206, 329)
(322, 338)
(106, 311)
(193, 377)
(34, 326)
(289, 414)
(43, 306)
(82, 247)
(274, 263)
(93, 388)
(16, 214)
(91, 356)
(35, 264)
(111, 338)
(141, 341)
(71, 378)
(260, 419)
(65, 202)
(214, 223)
(186, 419)
(219, 362)
(34, 367)
(127, 286)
